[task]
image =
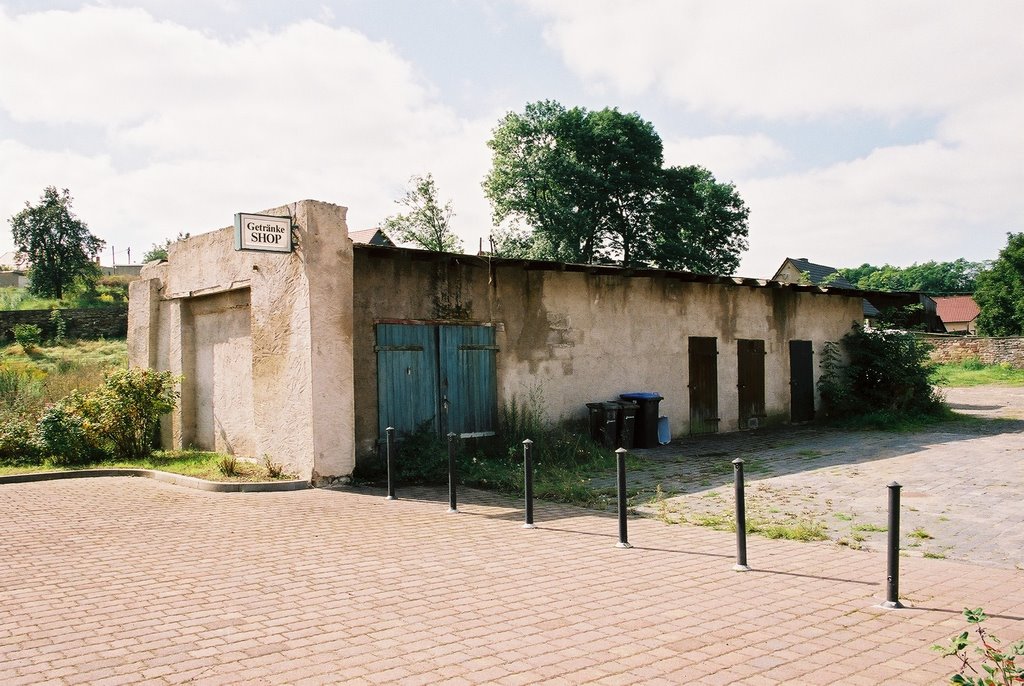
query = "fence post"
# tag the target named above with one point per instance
(892, 591)
(452, 506)
(741, 519)
(620, 459)
(390, 431)
(528, 477)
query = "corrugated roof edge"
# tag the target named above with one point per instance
(612, 270)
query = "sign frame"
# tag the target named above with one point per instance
(263, 232)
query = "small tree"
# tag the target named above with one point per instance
(57, 244)
(427, 223)
(159, 251)
(1000, 291)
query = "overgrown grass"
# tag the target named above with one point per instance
(972, 372)
(565, 459)
(109, 290)
(196, 463)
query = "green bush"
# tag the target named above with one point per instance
(17, 440)
(63, 435)
(128, 409)
(27, 336)
(885, 372)
(118, 419)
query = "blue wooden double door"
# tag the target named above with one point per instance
(439, 375)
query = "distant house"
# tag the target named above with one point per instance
(802, 270)
(371, 237)
(12, 273)
(959, 313)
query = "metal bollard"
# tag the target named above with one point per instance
(452, 506)
(741, 519)
(390, 431)
(892, 591)
(528, 477)
(620, 459)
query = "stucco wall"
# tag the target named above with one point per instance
(580, 337)
(289, 343)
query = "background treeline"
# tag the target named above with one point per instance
(933, 278)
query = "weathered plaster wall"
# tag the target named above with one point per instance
(187, 315)
(582, 337)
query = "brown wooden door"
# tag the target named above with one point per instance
(703, 385)
(801, 381)
(750, 373)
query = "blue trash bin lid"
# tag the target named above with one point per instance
(641, 396)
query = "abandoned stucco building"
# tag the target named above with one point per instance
(308, 355)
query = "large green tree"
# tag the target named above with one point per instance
(426, 223)
(1000, 291)
(56, 244)
(581, 186)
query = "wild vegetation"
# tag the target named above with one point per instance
(104, 292)
(565, 458)
(885, 380)
(999, 666)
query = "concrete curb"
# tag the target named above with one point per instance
(165, 477)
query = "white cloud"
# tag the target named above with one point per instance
(728, 157)
(793, 59)
(899, 205)
(952, 192)
(197, 128)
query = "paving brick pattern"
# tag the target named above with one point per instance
(963, 482)
(120, 580)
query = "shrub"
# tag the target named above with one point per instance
(17, 442)
(119, 418)
(128, 409)
(28, 336)
(886, 372)
(63, 434)
(1000, 666)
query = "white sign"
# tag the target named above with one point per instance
(263, 232)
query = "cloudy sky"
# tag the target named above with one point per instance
(875, 131)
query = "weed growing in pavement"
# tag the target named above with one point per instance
(843, 516)
(1001, 667)
(869, 527)
(803, 530)
(934, 556)
(920, 533)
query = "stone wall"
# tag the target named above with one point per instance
(988, 350)
(87, 323)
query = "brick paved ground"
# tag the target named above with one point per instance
(963, 482)
(119, 580)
